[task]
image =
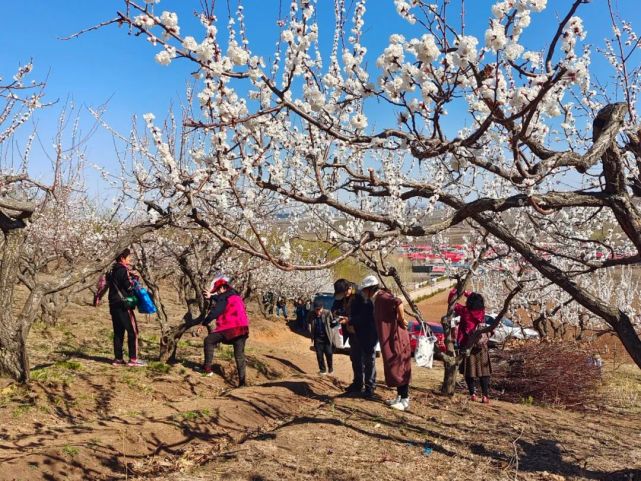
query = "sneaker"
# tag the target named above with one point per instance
(368, 393)
(485, 400)
(322, 373)
(391, 402)
(208, 373)
(402, 405)
(474, 398)
(118, 362)
(330, 372)
(136, 363)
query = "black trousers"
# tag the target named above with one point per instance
(403, 391)
(363, 357)
(485, 385)
(124, 320)
(212, 341)
(324, 350)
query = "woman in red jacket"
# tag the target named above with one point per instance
(232, 326)
(477, 360)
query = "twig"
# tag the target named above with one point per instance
(91, 29)
(516, 455)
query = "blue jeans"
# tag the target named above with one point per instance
(283, 310)
(363, 357)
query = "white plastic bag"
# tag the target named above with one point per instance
(424, 355)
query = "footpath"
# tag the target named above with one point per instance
(432, 289)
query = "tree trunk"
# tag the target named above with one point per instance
(450, 364)
(629, 337)
(169, 340)
(14, 361)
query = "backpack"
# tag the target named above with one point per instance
(101, 288)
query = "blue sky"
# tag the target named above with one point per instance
(110, 65)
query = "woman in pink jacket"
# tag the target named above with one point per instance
(477, 360)
(232, 326)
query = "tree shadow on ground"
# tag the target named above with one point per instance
(300, 388)
(546, 455)
(83, 355)
(286, 362)
(296, 329)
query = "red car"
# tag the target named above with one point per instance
(414, 329)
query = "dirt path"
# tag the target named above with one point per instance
(83, 419)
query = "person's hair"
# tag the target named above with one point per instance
(475, 302)
(341, 285)
(124, 254)
(373, 289)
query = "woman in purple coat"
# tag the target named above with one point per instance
(394, 339)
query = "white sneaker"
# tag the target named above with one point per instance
(402, 405)
(391, 402)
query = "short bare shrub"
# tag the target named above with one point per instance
(551, 373)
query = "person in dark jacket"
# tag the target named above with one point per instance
(120, 284)
(356, 313)
(232, 326)
(321, 324)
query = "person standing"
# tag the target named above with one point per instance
(232, 326)
(394, 339)
(301, 314)
(268, 302)
(281, 307)
(321, 323)
(476, 364)
(356, 314)
(119, 281)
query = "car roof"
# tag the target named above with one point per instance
(434, 326)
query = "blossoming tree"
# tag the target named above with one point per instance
(543, 162)
(53, 241)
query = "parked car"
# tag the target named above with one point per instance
(340, 341)
(325, 298)
(507, 329)
(414, 329)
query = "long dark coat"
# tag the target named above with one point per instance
(394, 340)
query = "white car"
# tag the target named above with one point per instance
(507, 329)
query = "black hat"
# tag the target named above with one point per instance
(318, 304)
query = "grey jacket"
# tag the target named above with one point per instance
(328, 321)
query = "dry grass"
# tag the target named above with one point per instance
(623, 389)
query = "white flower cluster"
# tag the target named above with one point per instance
(403, 8)
(573, 31)
(466, 52)
(425, 49)
(164, 57)
(170, 21)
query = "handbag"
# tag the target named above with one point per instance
(130, 302)
(143, 300)
(424, 355)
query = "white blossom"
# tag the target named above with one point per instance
(359, 121)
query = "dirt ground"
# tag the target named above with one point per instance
(83, 419)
